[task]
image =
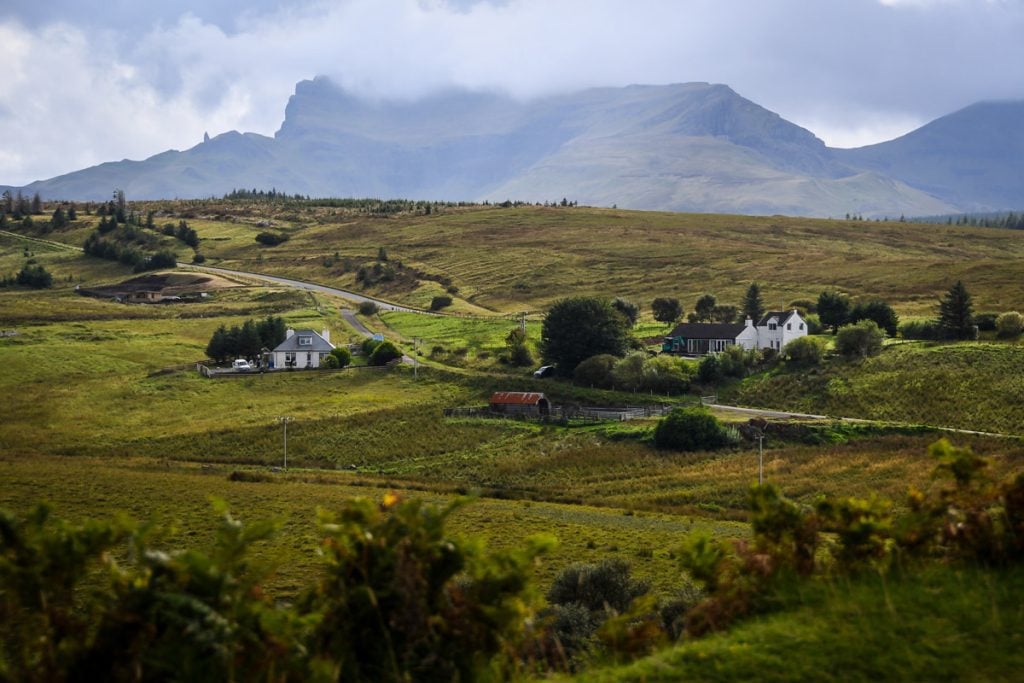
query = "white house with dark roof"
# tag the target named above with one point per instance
(301, 349)
(773, 331)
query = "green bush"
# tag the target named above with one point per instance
(596, 372)
(439, 302)
(369, 345)
(577, 328)
(271, 239)
(986, 322)
(368, 308)
(384, 353)
(1009, 324)
(600, 588)
(690, 429)
(709, 370)
(34, 276)
(860, 340)
(342, 356)
(805, 350)
(920, 329)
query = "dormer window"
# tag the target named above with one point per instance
(772, 326)
(305, 341)
(789, 326)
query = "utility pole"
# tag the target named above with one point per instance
(415, 358)
(284, 421)
(522, 322)
(760, 458)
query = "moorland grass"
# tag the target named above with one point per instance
(940, 624)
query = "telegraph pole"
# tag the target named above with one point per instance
(284, 421)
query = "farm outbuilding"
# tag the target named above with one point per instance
(520, 403)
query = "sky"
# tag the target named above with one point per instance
(87, 81)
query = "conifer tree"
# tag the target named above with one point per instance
(753, 305)
(956, 319)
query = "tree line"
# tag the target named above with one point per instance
(246, 340)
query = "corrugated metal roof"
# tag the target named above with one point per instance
(527, 398)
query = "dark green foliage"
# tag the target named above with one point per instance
(689, 429)
(860, 340)
(710, 370)
(577, 328)
(955, 313)
(518, 348)
(369, 345)
(804, 351)
(879, 312)
(666, 310)
(704, 309)
(367, 308)
(753, 304)
(920, 329)
(397, 599)
(1010, 324)
(247, 340)
(439, 302)
(37, 204)
(35, 276)
(986, 322)
(272, 239)
(59, 219)
(627, 309)
(161, 259)
(724, 313)
(198, 258)
(600, 588)
(342, 356)
(187, 234)
(833, 309)
(595, 371)
(382, 254)
(384, 353)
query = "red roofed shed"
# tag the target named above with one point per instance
(520, 403)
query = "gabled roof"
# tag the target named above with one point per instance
(783, 316)
(292, 342)
(708, 330)
(525, 398)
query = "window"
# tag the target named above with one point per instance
(789, 326)
(289, 359)
(772, 326)
(305, 341)
(801, 326)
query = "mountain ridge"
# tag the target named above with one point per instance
(679, 147)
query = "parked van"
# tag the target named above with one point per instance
(241, 365)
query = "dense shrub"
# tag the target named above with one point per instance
(384, 353)
(878, 311)
(690, 429)
(397, 598)
(246, 340)
(368, 308)
(580, 327)
(986, 322)
(628, 373)
(272, 239)
(518, 347)
(1010, 324)
(34, 276)
(627, 309)
(920, 329)
(439, 302)
(600, 588)
(339, 357)
(804, 350)
(666, 375)
(709, 370)
(198, 258)
(860, 340)
(814, 325)
(596, 372)
(369, 345)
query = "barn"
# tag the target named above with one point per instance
(520, 403)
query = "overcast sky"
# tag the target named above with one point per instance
(86, 81)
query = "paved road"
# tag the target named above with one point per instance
(312, 287)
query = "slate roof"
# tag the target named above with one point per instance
(783, 316)
(708, 330)
(292, 342)
(525, 398)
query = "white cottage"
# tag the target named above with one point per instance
(773, 331)
(301, 349)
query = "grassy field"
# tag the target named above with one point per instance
(975, 386)
(943, 625)
(524, 258)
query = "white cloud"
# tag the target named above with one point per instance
(78, 93)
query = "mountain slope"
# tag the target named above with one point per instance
(692, 147)
(974, 158)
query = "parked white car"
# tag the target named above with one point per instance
(241, 365)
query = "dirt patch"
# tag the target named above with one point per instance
(164, 284)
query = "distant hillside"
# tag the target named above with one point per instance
(686, 147)
(973, 158)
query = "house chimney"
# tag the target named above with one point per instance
(326, 334)
(748, 322)
(289, 333)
